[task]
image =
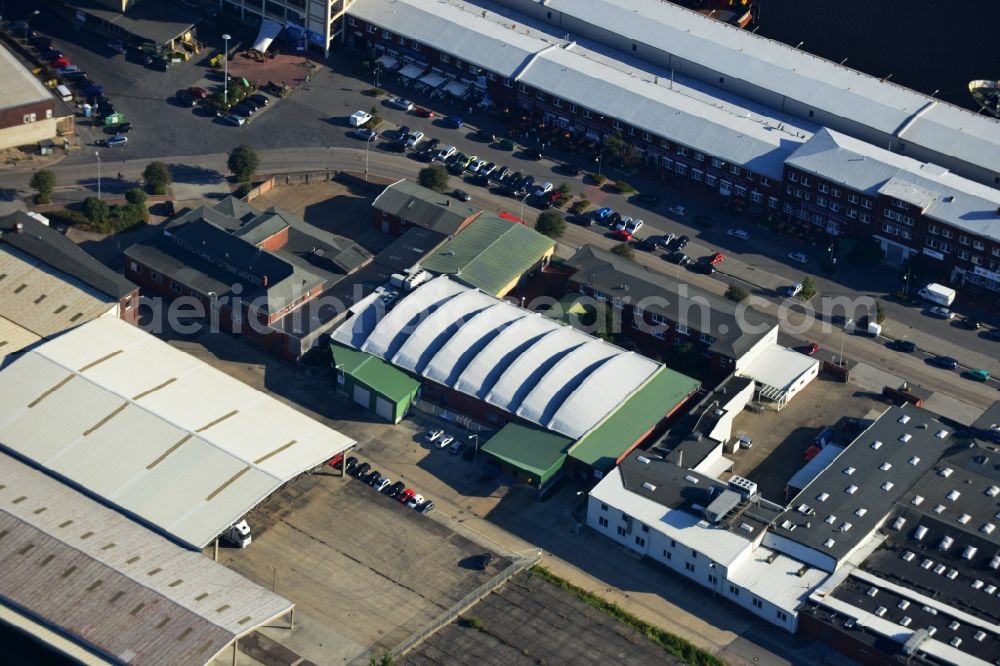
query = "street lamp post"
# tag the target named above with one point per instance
(225, 71)
(34, 13)
(475, 455)
(600, 155)
(368, 145)
(843, 337)
(522, 206)
(98, 174)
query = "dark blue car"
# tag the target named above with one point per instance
(452, 121)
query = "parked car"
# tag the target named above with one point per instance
(940, 312)
(452, 121)
(395, 489)
(120, 128)
(476, 165)
(810, 348)
(372, 477)
(678, 258)
(382, 484)
(971, 324)
(59, 63)
(233, 119)
(621, 235)
(487, 168)
(445, 441)
(678, 210)
(457, 447)
(703, 220)
(904, 346)
(464, 160)
(649, 244)
(501, 173)
(446, 152)
(434, 435)
(793, 290)
(716, 259)
(648, 199)
(366, 134)
(399, 103)
(703, 267)
(532, 154)
(946, 362)
(404, 496)
(244, 110)
(414, 500)
(633, 226)
(198, 92)
(799, 257)
(260, 100)
(360, 470)
(486, 135)
(114, 141)
(603, 213)
(543, 189)
(117, 47)
(426, 507)
(414, 138)
(570, 169)
(681, 242)
(979, 375)
(738, 233)
(423, 113)
(184, 98)
(461, 195)
(482, 561)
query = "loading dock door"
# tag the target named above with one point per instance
(384, 408)
(362, 396)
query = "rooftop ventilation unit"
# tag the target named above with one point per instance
(643, 459)
(743, 486)
(649, 486)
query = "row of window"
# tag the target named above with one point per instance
(33, 117)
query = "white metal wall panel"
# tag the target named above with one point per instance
(400, 322)
(434, 331)
(384, 408)
(480, 375)
(513, 386)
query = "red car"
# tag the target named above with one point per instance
(622, 235)
(406, 495)
(197, 93)
(423, 113)
(336, 460)
(810, 348)
(59, 63)
(716, 258)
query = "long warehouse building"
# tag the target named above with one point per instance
(155, 432)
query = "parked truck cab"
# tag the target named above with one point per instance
(238, 534)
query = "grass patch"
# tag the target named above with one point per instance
(471, 623)
(670, 643)
(121, 217)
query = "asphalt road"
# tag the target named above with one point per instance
(309, 130)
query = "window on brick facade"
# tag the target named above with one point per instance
(587, 114)
(639, 541)
(522, 87)
(806, 181)
(765, 181)
(978, 245)
(757, 603)
(711, 180)
(772, 202)
(386, 34)
(622, 531)
(852, 198)
(735, 170)
(681, 168)
(689, 567)
(351, 20)
(697, 174)
(402, 41)
(866, 204)
(156, 277)
(699, 156)
(682, 151)
(823, 187)
(602, 521)
(717, 163)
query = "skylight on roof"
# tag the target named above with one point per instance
(885, 467)
(861, 511)
(850, 490)
(905, 437)
(877, 444)
(849, 470)
(831, 519)
(887, 486)
(822, 497)
(987, 528)
(941, 434)
(964, 519)
(953, 495)
(829, 543)
(917, 500)
(993, 491)
(945, 472)
(914, 460)
(939, 508)
(905, 418)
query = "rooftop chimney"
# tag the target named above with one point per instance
(19, 227)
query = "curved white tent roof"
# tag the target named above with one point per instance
(463, 347)
(433, 331)
(523, 363)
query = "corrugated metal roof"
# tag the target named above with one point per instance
(490, 253)
(13, 338)
(778, 366)
(508, 364)
(375, 372)
(463, 34)
(866, 168)
(69, 560)
(780, 71)
(717, 543)
(610, 432)
(423, 207)
(44, 301)
(153, 430)
(531, 449)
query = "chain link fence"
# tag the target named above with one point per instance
(520, 562)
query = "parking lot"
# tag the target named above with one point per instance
(780, 439)
(531, 621)
(361, 568)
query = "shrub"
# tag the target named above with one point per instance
(623, 188)
(243, 162)
(157, 177)
(550, 223)
(95, 209)
(44, 182)
(564, 188)
(580, 207)
(624, 250)
(808, 288)
(136, 196)
(434, 178)
(599, 178)
(737, 293)
(879, 312)
(243, 190)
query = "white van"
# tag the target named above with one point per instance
(359, 118)
(63, 93)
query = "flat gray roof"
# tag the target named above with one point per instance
(155, 20)
(842, 505)
(20, 87)
(113, 586)
(869, 169)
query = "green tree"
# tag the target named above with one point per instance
(607, 323)
(624, 250)
(136, 196)
(43, 182)
(879, 312)
(622, 151)
(808, 288)
(434, 178)
(96, 210)
(550, 223)
(157, 177)
(243, 162)
(737, 293)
